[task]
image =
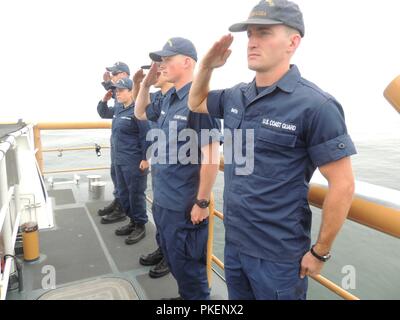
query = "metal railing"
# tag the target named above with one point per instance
(64, 126)
(392, 93)
(9, 215)
(363, 211)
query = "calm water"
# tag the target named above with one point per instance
(375, 257)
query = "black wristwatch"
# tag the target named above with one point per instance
(324, 258)
(202, 203)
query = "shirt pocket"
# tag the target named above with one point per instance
(181, 118)
(276, 140)
(274, 152)
(181, 124)
(233, 120)
(195, 246)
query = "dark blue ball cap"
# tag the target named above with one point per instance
(119, 67)
(173, 47)
(272, 12)
(125, 83)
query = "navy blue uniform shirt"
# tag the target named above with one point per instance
(155, 98)
(297, 128)
(176, 182)
(129, 143)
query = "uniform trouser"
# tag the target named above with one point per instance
(131, 186)
(250, 278)
(152, 209)
(184, 247)
(158, 237)
(112, 171)
(114, 179)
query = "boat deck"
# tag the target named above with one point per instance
(89, 261)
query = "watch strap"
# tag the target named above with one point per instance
(320, 258)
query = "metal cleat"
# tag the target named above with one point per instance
(77, 179)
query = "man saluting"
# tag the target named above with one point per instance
(297, 128)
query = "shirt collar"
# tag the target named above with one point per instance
(132, 105)
(287, 84)
(289, 81)
(183, 92)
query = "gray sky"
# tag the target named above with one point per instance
(53, 53)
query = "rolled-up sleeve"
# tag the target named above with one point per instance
(144, 128)
(153, 111)
(215, 103)
(207, 128)
(327, 139)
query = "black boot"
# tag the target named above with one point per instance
(126, 230)
(152, 259)
(160, 270)
(108, 209)
(116, 216)
(137, 234)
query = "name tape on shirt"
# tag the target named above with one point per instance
(279, 125)
(179, 117)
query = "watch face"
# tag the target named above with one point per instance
(324, 258)
(327, 257)
(203, 203)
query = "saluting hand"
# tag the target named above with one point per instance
(138, 76)
(198, 215)
(106, 76)
(108, 96)
(151, 77)
(217, 56)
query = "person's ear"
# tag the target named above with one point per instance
(294, 42)
(189, 63)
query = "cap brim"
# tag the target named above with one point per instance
(111, 69)
(158, 55)
(117, 86)
(242, 26)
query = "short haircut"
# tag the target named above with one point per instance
(291, 31)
